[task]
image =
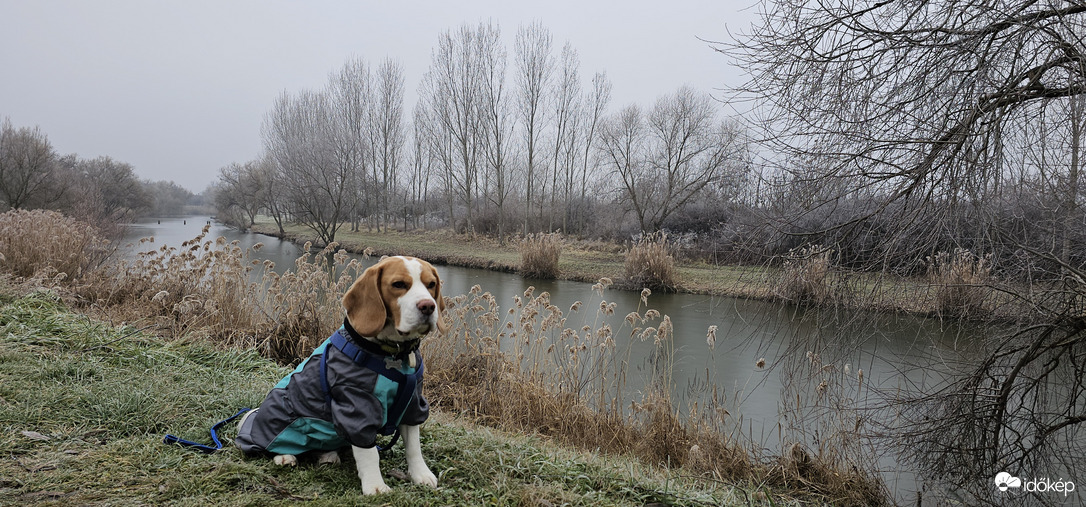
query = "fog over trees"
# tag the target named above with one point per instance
(101, 191)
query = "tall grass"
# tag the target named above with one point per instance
(824, 425)
(567, 374)
(211, 288)
(532, 368)
(649, 264)
(960, 281)
(539, 255)
(805, 276)
(216, 289)
(45, 244)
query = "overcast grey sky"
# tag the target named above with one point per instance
(179, 89)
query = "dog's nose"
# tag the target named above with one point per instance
(426, 307)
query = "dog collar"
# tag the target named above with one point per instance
(398, 350)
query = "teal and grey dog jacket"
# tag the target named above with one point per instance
(346, 393)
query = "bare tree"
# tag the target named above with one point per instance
(622, 140)
(387, 134)
(596, 101)
(867, 89)
(534, 70)
(110, 189)
(273, 190)
(1069, 211)
(438, 147)
(167, 198)
(319, 185)
(499, 123)
(27, 164)
(352, 135)
(421, 167)
(928, 108)
(566, 118)
(454, 92)
(664, 159)
(320, 145)
(240, 194)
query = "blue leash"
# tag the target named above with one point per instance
(206, 449)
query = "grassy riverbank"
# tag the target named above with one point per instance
(582, 261)
(589, 261)
(84, 406)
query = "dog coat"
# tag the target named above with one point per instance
(337, 396)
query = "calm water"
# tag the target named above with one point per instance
(893, 350)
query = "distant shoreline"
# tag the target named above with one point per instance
(583, 261)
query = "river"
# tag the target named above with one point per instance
(893, 350)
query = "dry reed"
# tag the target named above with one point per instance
(805, 276)
(47, 245)
(216, 289)
(649, 264)
(823, 427)
(539, 255)
(567, 375)
(960, 281)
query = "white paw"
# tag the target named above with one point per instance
(286, 460)
(423, 476)
(328, 458)
(375, 487)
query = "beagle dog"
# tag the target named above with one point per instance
(363, 380)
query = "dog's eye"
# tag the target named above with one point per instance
(431, 285)
(399, 285)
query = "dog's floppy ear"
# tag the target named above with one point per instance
(364, 305)
(441, 325)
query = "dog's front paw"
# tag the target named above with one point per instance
(376, 487)
(423, 476)
(286, 460)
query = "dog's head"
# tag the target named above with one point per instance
(397, 299)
